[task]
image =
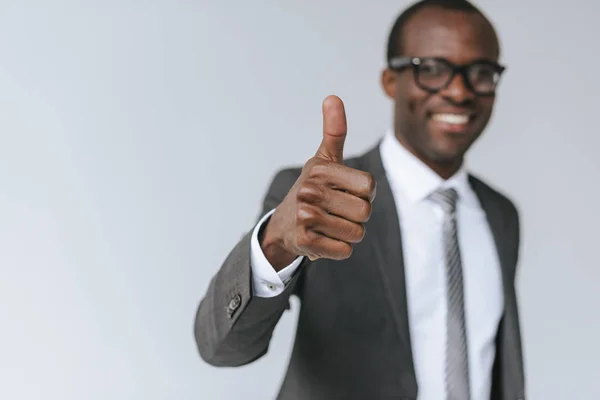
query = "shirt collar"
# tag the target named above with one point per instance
(414, 178)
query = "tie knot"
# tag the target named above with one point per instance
(446, 198)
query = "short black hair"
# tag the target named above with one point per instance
(395, 40)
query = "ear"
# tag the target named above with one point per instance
(388, 82)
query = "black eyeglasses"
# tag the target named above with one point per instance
(433, 74)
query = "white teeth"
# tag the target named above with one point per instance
(457, 119)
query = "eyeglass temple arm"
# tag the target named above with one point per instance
(399, 62)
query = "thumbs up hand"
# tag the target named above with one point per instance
(322, 215)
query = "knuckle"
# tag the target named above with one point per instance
(360, 232)
(365, 211)
(309, 193)
(319, 170)
(355, 233)
(303, 239)
(371, 184)
(345, 252)
(309, 164)
(306, 216)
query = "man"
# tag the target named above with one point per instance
(404, 262)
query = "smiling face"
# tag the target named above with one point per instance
(440, 127)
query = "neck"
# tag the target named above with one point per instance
(444, 170)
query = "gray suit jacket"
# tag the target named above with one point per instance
(352, 339)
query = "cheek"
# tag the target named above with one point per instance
(486, 107)
(415, 100)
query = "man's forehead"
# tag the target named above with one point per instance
(453, 34)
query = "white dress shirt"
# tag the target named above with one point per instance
(411, 181)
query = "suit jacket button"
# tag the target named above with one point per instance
(234, 304)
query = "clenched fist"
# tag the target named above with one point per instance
(322, 215)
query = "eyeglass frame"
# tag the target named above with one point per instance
(399, 63)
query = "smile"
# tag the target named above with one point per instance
(454, 119)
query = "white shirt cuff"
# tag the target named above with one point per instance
(266, 281)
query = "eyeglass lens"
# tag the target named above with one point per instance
(436, 74)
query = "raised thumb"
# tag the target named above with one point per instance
(334, 130)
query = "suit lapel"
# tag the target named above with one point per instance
(508, 381)
(497, 226)
(384, 236)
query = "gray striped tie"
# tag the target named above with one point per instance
(457, 363)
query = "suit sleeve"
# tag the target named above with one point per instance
(233, 327)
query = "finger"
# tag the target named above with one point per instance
(341, 177)
(336, 202)
(347, 206)
(340, 229)
(334, 130)
(314, 218)
(321, 246)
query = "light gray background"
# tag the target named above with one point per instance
(137, 139)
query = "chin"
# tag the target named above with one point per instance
(453, 147)
(446, 154)
(447, 159)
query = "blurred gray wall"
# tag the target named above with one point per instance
(137, 139)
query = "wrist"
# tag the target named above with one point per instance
(272, 246)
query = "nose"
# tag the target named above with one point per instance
(457, 90)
